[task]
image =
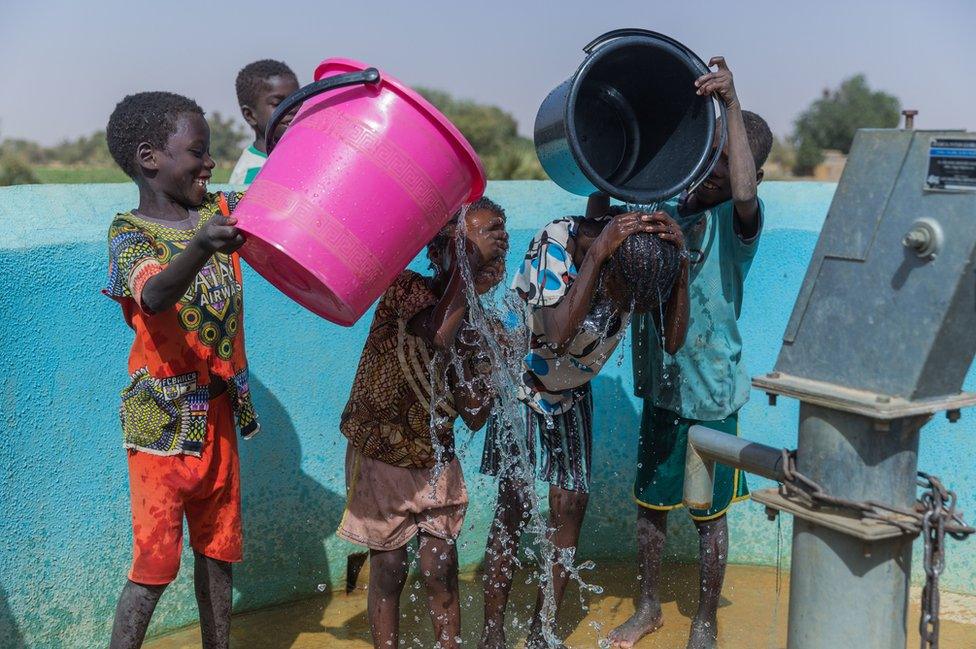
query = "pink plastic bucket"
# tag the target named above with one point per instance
(362, 179)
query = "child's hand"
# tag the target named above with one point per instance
(486, 244)
(220, 235)
(621, 227)
(718, 83)
(667, 229)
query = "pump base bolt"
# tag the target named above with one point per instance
(953, 415)
(772, 398)
(771, 513)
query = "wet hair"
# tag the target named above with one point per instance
(442, 238)
(253, 79)
(643, 269)
(144, 117)
(759, 136)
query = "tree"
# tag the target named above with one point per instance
(831, 121)
(494, 135)
(14, 171)
(227, 137)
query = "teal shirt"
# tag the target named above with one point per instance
(706, 380)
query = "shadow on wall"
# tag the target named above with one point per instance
(287, 515)
(10, 636)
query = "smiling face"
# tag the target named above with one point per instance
(274, 91)
(717, 188)
(183, 167)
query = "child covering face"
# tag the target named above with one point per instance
(415, 377)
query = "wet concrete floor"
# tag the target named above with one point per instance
(752, 616)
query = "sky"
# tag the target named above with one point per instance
(64, 65)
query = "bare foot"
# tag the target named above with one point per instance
(493, 637)
(704, 634)
(646, 619)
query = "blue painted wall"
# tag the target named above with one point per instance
(64, 514)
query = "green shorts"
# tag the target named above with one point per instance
(661, 464)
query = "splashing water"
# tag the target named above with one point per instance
(498, 331)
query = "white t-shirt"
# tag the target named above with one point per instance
(248, 166)
(550, 379)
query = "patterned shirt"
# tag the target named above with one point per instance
(389, 413)
(176, 352)
(550, 378)
(706, 380)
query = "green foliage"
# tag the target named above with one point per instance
(831, 121)
(73, 175)
(227, 138)
(14, 171)
(494, 135)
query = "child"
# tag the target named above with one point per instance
(580, 281)
(415, 377)
(261, 86)
(705, 382)
(173, 269)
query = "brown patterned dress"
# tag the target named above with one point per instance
(388, 416)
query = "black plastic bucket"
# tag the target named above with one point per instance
(629, 122)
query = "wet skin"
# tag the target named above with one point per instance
(734, 178)
(485, 246)
(213, 587)
(596, 242)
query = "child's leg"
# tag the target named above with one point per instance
(213, 585)
(713, 549)
(511, 515)
(132, 614)
(439, 566)
(652, 529)
(566, 512)
(387, 575)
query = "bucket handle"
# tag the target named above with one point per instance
(369, 75)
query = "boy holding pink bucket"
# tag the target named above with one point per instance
(415, 376)
(174, 270)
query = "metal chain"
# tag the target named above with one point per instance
(933, 516)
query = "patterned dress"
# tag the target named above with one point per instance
(400, 410)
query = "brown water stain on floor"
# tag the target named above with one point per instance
(752, 616)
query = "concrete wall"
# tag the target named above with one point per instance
(64, 513)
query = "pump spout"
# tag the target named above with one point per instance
(707, 446)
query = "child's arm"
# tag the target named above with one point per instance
(438, 325)
(676, 312)
(473, 395)
(742, 166)
(562, 321)
(165, 288)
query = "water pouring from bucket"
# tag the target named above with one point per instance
(366, 174)
(629, 123)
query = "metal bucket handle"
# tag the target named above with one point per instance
(636, 31)
(369, 75)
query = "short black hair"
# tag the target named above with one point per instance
(253, 78)
(443, 237)
(144, 117)
(644, 268)
(759, 136)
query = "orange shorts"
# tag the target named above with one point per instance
(206, 489)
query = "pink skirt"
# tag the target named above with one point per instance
(387, 505)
